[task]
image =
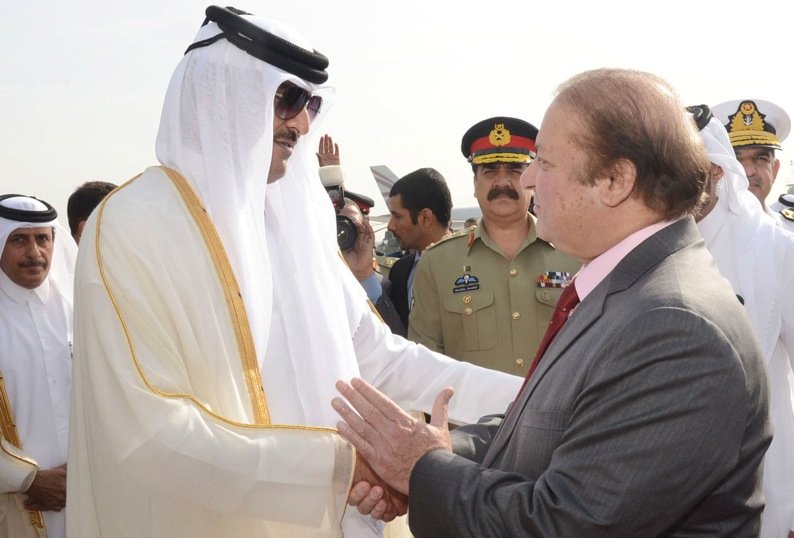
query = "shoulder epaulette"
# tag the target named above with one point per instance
(460, 233)
(788, 214)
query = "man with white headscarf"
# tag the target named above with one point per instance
(757, 257)
(206, 345)
(37, 265)
(757, 129)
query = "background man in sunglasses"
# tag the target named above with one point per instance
(214, 315)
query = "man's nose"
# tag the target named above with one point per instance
(300, 122)
(32, 250)
(749, 167)
(528, 177)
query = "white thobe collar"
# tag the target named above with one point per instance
(22, 295)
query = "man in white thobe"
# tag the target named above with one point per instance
(757, 257)
(214, 314)
(37, 265)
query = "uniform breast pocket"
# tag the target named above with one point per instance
(545, 300)
(477, 316)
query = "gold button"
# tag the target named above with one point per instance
(467, 311)
(513, 272)
(516, 315)
(466, 299)
(520, 363)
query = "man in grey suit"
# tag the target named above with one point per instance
(647, 413)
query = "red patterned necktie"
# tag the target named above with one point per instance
(568, 300)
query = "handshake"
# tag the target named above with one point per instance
(389, 442)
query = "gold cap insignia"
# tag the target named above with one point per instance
(499, 135)
(753, 122)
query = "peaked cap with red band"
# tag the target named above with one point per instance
(364, 202)
(500, 139)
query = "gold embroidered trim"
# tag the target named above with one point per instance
(199, 404)
(11, 434)
(751, 138)
(234, 299)
(7, 417)
(502, 157)
(375, 310)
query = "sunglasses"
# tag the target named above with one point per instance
(291, 100)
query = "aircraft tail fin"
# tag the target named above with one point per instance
(384, 178)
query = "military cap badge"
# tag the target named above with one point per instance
(499, 139)
(753, 122)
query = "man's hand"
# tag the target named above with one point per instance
(328, 152)
(373, 496)
(48, 490)
(359, 258)
(389, 438)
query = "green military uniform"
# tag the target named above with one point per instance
(473, 304)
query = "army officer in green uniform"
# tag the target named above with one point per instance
(485, 295)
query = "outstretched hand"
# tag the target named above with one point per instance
(327, 151)
(391, 440)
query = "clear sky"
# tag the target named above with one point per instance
(82, 82)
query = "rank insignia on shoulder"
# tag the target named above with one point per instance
(788, 213)
(553, 279)
(454, 235)
(466, 282)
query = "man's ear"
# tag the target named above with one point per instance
(717, 173)
(426, 216)
(80, 226)
(617, 182)
(775, 169)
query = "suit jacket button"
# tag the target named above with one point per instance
(516, 315)
(513, 272)
(467, 311)
(520, 363)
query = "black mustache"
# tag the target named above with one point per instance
(288, 134)
(502, 191)
(34, 263)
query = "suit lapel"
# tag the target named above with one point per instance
(636, 263)
(583, 317)
(399, 279)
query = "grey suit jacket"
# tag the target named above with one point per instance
(646, 417)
